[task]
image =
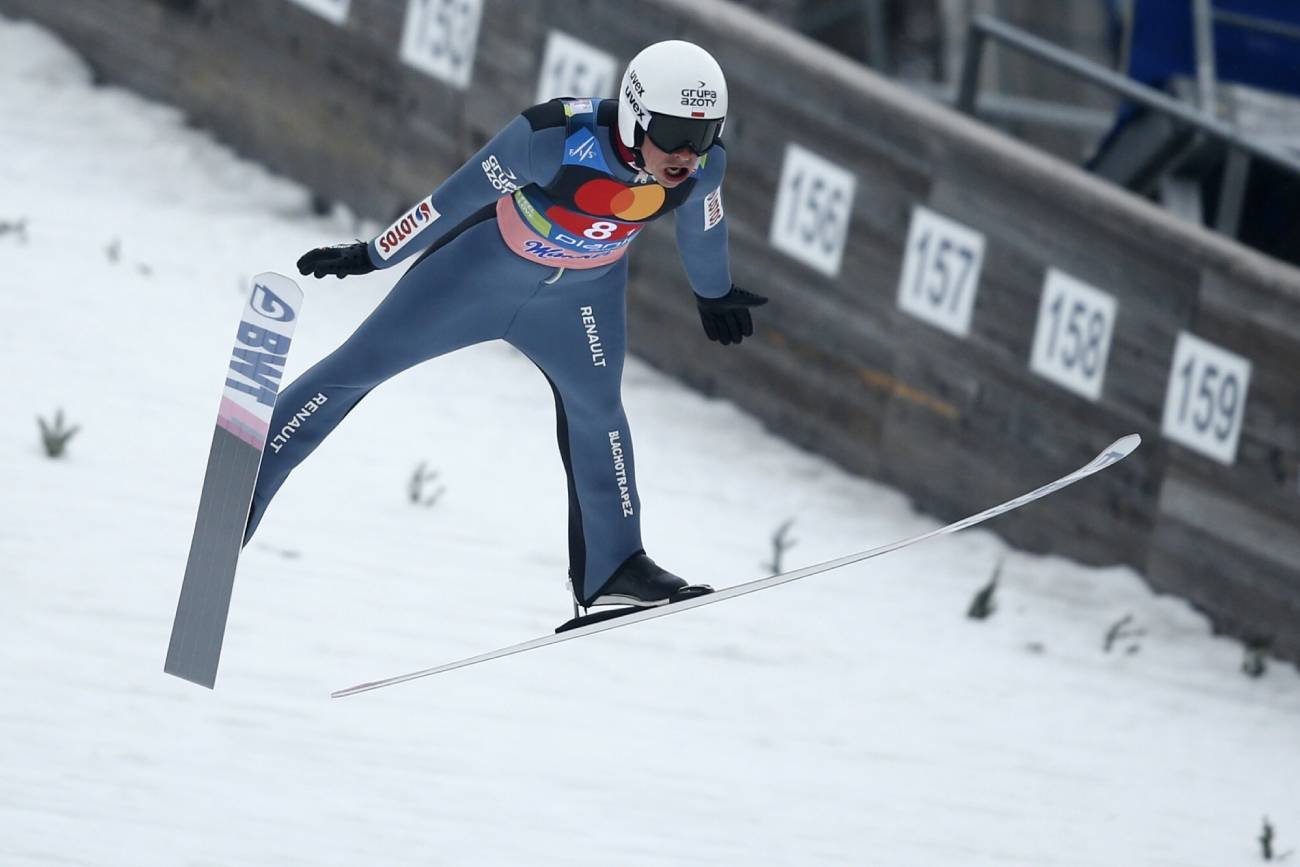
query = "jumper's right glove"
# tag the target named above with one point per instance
(727, 319)
(339, 260)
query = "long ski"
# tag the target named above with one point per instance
(1113, 453)
(252, 385)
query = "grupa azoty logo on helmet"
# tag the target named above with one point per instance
(701, 96)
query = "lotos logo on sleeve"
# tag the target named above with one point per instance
(407, 227)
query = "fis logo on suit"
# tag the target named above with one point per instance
(269, 305)
(584, 150)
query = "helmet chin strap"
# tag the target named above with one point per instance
(631, 156)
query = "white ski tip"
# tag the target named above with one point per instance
(267, 276)
(1112, 454)
(1125, 445)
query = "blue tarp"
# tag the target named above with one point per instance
(1164, 44)
(1164, 47)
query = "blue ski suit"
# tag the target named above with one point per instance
(524, 243)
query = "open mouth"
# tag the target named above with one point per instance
(676, 173)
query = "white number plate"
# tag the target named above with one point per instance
(1072, 340)
(813, 203)
(1206, 398)
(941, 271)
(440, 36)
(571, 67)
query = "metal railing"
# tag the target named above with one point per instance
(1254, 22)
(1241, 150)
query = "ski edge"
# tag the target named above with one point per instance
(1112, 454)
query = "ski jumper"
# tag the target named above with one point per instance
(525, 243)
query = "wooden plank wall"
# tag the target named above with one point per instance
(958, 423)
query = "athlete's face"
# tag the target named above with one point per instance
(668, 169)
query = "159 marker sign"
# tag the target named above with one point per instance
(1205, 401)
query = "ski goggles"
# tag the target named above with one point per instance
(674, 133)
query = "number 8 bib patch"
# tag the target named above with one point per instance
(583, 217)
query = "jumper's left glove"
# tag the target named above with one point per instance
(339, 260)
(727, 319)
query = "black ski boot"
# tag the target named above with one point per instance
(643, 583)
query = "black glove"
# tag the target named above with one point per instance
(339, 260)
(727, 319)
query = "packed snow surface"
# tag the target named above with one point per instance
(854, 718)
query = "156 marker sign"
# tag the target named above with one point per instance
(811, 219)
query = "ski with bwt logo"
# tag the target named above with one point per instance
(243, 422)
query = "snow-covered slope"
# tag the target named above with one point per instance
(856, 718)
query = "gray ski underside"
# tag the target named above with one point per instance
(195, 647)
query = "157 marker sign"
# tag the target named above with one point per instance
(941, 271)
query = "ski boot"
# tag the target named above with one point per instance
(638, 583)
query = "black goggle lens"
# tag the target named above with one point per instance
(674, 133)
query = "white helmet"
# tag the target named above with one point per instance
(675, 93)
